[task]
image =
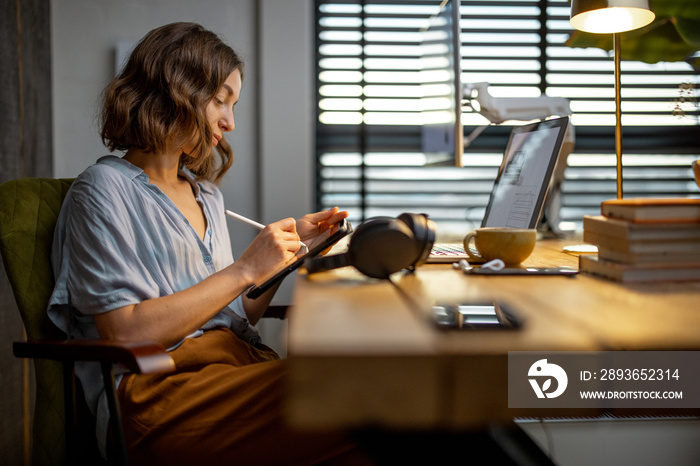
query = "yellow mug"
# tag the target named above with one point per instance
(511, 245)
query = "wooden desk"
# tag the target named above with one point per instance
(363, 351)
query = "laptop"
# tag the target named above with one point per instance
(518, 195)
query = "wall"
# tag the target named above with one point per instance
(287, 108)
(25, 150)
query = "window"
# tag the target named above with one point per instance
(369, 158)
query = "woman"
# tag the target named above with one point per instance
(142, 252)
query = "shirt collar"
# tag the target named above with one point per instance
(132, 171)
(128, 169)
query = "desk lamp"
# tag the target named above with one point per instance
(612, 17)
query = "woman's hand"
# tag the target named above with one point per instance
(311, 226)
(274, 246)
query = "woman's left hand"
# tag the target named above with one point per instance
(311, 226)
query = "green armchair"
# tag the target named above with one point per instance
(63, 427)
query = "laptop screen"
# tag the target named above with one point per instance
(523, 178)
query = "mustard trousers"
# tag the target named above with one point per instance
(223, 405)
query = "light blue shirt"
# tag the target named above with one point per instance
(119, 241)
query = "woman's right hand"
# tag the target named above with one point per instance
(274, 246)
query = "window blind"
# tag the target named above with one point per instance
(368, 142)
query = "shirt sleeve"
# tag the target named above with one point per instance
(101, 265)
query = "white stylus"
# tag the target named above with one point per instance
(253, 223)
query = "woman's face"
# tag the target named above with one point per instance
(220, 109)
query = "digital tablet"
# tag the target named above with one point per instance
(268, 282)
(518, 195)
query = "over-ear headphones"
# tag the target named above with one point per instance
(381, 246)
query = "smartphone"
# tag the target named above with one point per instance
(477, 315)
(523, 271)
(268, 282)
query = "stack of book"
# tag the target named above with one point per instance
(641, 240)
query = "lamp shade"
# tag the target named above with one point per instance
(610, 16)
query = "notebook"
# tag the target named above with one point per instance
(518, 195)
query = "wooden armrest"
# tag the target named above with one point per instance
(139, 357)
(279, 312)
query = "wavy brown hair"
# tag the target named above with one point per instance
(160, 97)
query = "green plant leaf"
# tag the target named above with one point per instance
(663, 43)
(689, 9)
(689, 30)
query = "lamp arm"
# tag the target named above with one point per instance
(500, 109)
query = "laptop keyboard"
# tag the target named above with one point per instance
(446, 252)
